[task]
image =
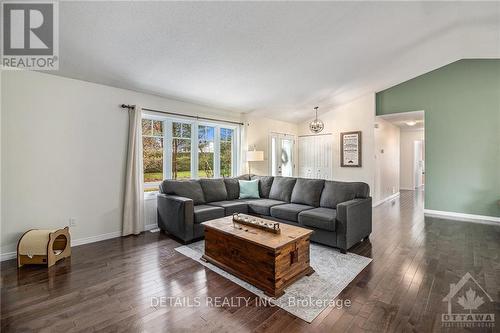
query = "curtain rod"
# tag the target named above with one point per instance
(126, 106)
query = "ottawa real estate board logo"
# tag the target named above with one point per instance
(468, 305)
(30, 35)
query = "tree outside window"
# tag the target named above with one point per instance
(173, 146)
(206, 136)
(226, 151)
(152, 144)
(181, 150)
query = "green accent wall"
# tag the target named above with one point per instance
(462, 133)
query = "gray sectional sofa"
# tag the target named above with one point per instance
(339, 213)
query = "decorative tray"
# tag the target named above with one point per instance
(255, 222)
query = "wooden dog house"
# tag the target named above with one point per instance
(43, 247)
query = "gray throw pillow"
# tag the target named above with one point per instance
(265, 183)
(214, 189)
(232, 188)
(282, 188)
(307, 191)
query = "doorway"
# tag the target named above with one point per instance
(400, 153)
(418, 163)
(282, 147)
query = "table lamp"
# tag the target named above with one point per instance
(254, 156)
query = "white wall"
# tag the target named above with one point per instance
(257, 133)
(1, 140)
(387, 138)
(357, 115)
(63, 147)
(406, 159)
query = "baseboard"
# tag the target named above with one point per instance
(148, 227)
(462, 217)
(93, 239)
(82, 241)
(407, 189)
(8, 256)
(393, 196)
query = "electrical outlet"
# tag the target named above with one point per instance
(72, 222)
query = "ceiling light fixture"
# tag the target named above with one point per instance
(316, 125)
(411, 123)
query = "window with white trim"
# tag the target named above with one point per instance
(206, 151)
(153, 151)
(181, 150)
(227, 151)
(176, 148)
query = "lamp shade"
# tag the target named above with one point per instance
(255, 155)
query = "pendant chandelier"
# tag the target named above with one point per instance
(316, 125)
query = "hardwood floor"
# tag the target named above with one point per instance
(108, 286)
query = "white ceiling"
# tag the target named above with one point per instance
(401, 120)
(279, 59)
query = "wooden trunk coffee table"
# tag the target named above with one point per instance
(269, 261)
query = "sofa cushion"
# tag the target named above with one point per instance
(231, 207)
(320, 218)
(282, 188)
(232, 188)
(288, 212)
(204, 213)
(307, 191)
(262, 206)
(214, 189)
(184, 188)
(337, 192)
(249, 189)
(265, 183)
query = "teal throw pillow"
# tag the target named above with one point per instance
(249, 189)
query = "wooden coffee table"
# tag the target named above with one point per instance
(269, 261)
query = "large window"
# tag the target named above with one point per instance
(152, 142)
(206, 151)
(183, 149)
(226, 151)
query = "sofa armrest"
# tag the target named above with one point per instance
(175, 215)
(354, 222)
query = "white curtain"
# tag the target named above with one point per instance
(133, 205)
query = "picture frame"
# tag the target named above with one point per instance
(350, 149)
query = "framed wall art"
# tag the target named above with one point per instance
(350, 149)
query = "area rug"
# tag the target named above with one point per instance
(310, 295)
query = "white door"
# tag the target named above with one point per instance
(316, 156)
(282, 159)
